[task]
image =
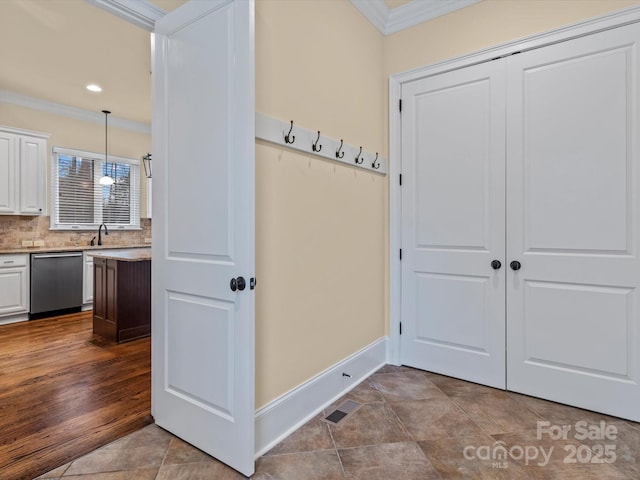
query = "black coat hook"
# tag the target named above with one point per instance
(315, 146)
(338, 153)
(376, 163)
(288, 138)
(359, 159)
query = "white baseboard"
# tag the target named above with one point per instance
(282, 416)
(23, 317)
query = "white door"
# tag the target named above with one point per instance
(573, 168)
(203, 228)
(453, 167)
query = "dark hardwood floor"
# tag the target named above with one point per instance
(63, 394)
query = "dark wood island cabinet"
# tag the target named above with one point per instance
(122, 294)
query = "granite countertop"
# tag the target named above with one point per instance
(84, 248)
(125, 255)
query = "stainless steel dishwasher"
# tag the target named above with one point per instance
(56, 281)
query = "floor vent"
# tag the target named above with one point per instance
(345, 409)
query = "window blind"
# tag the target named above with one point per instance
(79, 201)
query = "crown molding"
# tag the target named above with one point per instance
(139, 12)
(390, 21)
(13, 98)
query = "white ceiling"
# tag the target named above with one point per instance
(52, 49)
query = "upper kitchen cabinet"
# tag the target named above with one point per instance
(23, 171)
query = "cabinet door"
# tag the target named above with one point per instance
(87, 284)
(14, 287)
(32, 175)
(7, 173)
(99, 300)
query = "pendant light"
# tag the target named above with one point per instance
(106, 180)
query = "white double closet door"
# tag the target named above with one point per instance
(533, 158)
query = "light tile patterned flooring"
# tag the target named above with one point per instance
(412, 425)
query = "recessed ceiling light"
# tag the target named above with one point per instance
(92, 87)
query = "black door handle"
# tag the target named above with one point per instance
(237, 284)
(495, 264)
(515, 265)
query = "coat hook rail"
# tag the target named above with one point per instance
(281, 132)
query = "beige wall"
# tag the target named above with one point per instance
(483, 25)
(71, 133)
(320, 226)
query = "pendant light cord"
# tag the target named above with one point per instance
(106, 132)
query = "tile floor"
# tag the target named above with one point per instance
(411, 425)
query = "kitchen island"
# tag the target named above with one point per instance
(122, 294)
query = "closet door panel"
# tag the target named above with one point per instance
(572, 177)
(453, 224)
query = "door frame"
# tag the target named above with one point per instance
(396, 81)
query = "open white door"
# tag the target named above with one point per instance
(453, 164)
(203, 228)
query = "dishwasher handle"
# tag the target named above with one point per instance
(57, 255)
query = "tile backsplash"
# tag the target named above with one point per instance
(14, 229)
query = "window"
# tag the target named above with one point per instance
(80, 202)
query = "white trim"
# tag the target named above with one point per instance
(13, 98)
(274, 130)
(21, 317)
(282, 416)
(416, 12)
(22, 131)
(390, 21)
(395, 221)
(138, 12)
(594, 25)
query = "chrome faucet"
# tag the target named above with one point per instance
(106, 232)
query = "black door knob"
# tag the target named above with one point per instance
(495, 264)
(515, 265)
(237, 284)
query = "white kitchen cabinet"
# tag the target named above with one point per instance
(7, 173)
(23, 172)
(87, 279)
(33, 174)
(14, 285)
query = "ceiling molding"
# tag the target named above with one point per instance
(390, 21)
(13, 98)
(139, 12)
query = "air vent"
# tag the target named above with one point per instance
(345, 409)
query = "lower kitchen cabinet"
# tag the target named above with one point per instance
(87, 279)
(121, 299)
(14, 285)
